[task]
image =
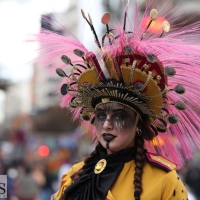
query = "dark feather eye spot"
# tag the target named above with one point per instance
(64, 89)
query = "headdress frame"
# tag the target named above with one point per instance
(157, 75)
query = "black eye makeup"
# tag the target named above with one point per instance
(119, 118)
(100, 115)
(116, 114)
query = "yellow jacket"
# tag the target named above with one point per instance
(157, 184)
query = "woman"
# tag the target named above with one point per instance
(133, 104)
(121, 144)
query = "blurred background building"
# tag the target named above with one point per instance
(36, 135)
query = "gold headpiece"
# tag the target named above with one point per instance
(135, 79)
(144, 69)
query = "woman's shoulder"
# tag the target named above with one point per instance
(160, 162)
(158, 167)
(160, 174)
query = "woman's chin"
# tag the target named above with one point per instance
(111, 148)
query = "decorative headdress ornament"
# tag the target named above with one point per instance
(158, 76)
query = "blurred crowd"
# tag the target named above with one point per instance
(34, 164)
(32, 182)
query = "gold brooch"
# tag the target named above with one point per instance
(100, 166)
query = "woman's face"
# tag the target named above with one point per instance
(116, 126)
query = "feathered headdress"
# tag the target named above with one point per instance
(156, 75)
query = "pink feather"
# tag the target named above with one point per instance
(180, 49)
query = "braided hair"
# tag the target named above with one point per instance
(140, 157)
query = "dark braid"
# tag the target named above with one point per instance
(147, 134)
(139, 164)
(79, 173)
